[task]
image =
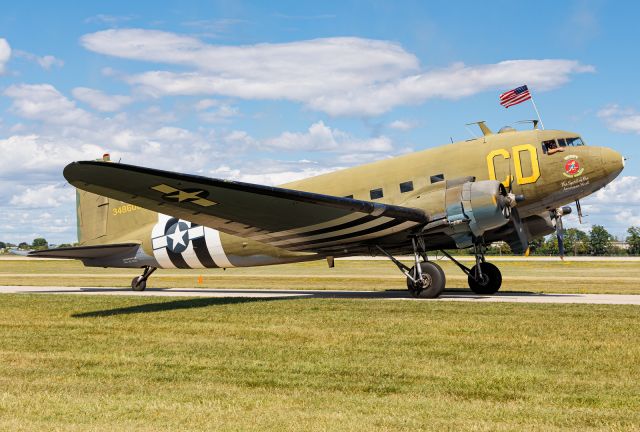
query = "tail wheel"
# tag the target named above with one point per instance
(432, 283)
(138, 283)
(490, 281)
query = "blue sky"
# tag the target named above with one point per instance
(274, 91)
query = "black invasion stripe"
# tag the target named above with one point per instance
(377, 228)
(345, 225)
(177, 260)
(202, 252)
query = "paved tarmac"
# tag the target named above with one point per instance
(461, 295)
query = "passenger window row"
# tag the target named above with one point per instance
(404, 187)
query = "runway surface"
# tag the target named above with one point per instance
(462, 295)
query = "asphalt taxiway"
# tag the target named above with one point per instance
(462, 295)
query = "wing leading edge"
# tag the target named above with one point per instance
(291, 219)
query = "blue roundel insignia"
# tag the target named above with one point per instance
(178, 237)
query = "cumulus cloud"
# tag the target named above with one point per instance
(621, 119)
(101, 101)
(43, 102)
(43, 196)
(340, 76)
(320, 137)
(45, 62)
(5, 54)
(24, 155)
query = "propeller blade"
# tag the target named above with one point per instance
(579, 209)
(560, 236)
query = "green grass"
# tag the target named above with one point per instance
(123, 363)
(606, 277)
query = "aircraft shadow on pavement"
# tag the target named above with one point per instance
(197, 302)
(201, 302)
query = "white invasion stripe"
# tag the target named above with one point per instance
(190, 257)
(214, 245)
(163, 259)
(388, 231)
(320, 237)
(157, 235)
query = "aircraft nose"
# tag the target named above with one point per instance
(612, 161)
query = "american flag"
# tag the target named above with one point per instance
(515, 96)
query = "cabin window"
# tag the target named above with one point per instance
(406, 186)
(375, 193)
(437, 178)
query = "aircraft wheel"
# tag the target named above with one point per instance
(491, 279)
(433, 281)
(138, 284)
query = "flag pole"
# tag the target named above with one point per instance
(536, 108)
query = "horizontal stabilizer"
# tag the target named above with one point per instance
(86, 252)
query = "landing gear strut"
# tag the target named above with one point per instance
(139, 283)
(425, 279)
(484, 277)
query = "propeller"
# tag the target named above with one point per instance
(518, 240)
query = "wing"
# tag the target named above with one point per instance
(287, 218)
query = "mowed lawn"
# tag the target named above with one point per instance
(607, 277)
(74, 363)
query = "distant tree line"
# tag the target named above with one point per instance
(576, 243)
(37, 244)
(579, 243)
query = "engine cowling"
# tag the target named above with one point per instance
(465, 210)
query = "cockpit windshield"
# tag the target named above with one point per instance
(557, 145)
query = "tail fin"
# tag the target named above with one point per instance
(103, 220)
(92, 213)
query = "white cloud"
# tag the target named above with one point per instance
(28, 155)
(43, 102)
(45, 62)
(320, 137)
(402, 125)
(44, 196)
(101, 101)
(340, 76)
(221, 114)
(620, 119)
(623, 190)
(274, 176)
(5, 54)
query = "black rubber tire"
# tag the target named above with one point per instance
(137, 284)
(432, 272)
(492, 279)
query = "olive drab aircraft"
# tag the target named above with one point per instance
(509, 186)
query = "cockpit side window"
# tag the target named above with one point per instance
(551, 146)
(575, 142)
(562, 142)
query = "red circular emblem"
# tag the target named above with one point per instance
(571, 167)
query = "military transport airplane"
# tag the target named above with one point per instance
(507, 186)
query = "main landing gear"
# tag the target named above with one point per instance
(484, 277)
(427, 280)
(139, 283)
